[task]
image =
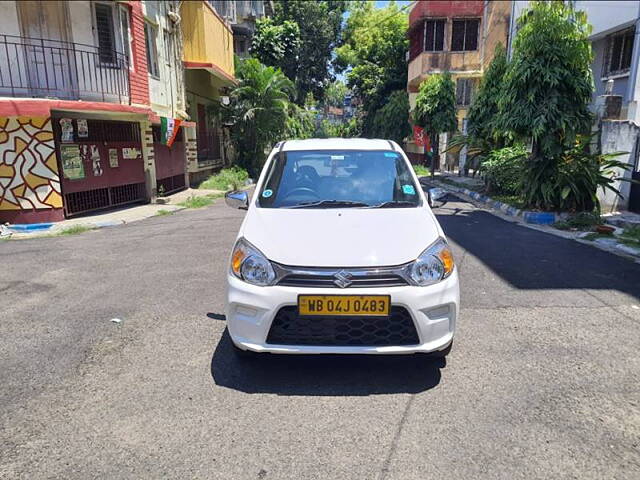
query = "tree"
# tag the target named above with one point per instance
(335, 93)
(320, 23)
(277, 45)
(483, 110)
(547, 90)
(373, 52)
(259, 111)
(392, 120)
(435, 109)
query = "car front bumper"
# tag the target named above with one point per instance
(250, 311)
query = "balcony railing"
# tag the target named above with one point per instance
(41, 68)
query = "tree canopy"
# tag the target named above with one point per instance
(436, 104)
(483, 110)
(548, 84)
(374, 43)
(277, 45)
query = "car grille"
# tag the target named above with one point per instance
(288, 328)
(321, 277)
(384, 280)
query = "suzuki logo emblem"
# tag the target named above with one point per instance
(342, 279)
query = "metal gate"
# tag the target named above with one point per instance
(170, 163)
(100, 164)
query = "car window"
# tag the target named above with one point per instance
(326, 178)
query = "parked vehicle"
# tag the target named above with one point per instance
(339, 252)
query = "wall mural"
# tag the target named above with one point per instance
(28, 169)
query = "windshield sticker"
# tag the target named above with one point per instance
(267, 193)
(408, 189)
(337, 157)
(390, 155)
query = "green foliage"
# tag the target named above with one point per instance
(580, 221)
(484, 108)
(571, 182)
(503, 170)
(436, 105)
(231, 178)
(631, 236)
(300, 123)
(373, 47)
(196, 202)
(277, 45)
(74, 230)
(392, 120)
(258, 111)
(164, 213)
(548, 83)
(335, 93)
(420, 170)
(319, 22)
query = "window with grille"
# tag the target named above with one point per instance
(104, 32)
(464, 35)
(465, 90)
(151, 36)
(434, 35)
(619, 52)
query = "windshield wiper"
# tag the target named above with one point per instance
(395, 204)
(330, 204)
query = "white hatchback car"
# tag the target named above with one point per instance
(339, 252)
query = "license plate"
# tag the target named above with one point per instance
(344, 305)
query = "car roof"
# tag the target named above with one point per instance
(337, 144)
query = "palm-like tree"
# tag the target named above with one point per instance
(258, 110)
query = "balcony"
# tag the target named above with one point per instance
(41, 68)
(207, 41)
(432, 62)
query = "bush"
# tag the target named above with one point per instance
(503, 170)
(580, 221)
(227, 179)
(421, 170)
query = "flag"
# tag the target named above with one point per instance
(168, 130)
(418, 136)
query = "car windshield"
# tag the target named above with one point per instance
(339, 179)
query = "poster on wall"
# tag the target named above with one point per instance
(66, 125)
(83, 128)
(113, 157)
(71, 162)
(130, 153)
(91, 154)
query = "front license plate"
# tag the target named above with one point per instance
(344, 305)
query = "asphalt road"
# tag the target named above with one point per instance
(543, 381)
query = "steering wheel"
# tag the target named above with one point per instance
(307, 175)
(306, 190)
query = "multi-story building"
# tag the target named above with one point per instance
(84, 86)
(615, 42)
(242, 16)
(209, 72)
(455, 36)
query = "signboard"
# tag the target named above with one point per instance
(130, 153)
(66, 125)
(72, 167)
(113, 157)
(83, 128)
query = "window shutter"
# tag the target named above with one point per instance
(439, 40)
(104, 29)
(460, 88)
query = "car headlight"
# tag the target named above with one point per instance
(249, 264)
(433, 265)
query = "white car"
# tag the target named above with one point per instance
(339, 252)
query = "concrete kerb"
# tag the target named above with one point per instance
(514, 215)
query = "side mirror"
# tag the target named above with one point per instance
(237, 199)
(436, 197)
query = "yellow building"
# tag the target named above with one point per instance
(209, 72)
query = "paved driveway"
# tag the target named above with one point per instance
(543, 382)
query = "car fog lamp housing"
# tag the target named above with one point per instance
(250, 265)
(433, 265)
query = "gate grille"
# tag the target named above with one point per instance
(170, 184)
(81, 202)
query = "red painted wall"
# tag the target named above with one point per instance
(445, 8)
(139, 75)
